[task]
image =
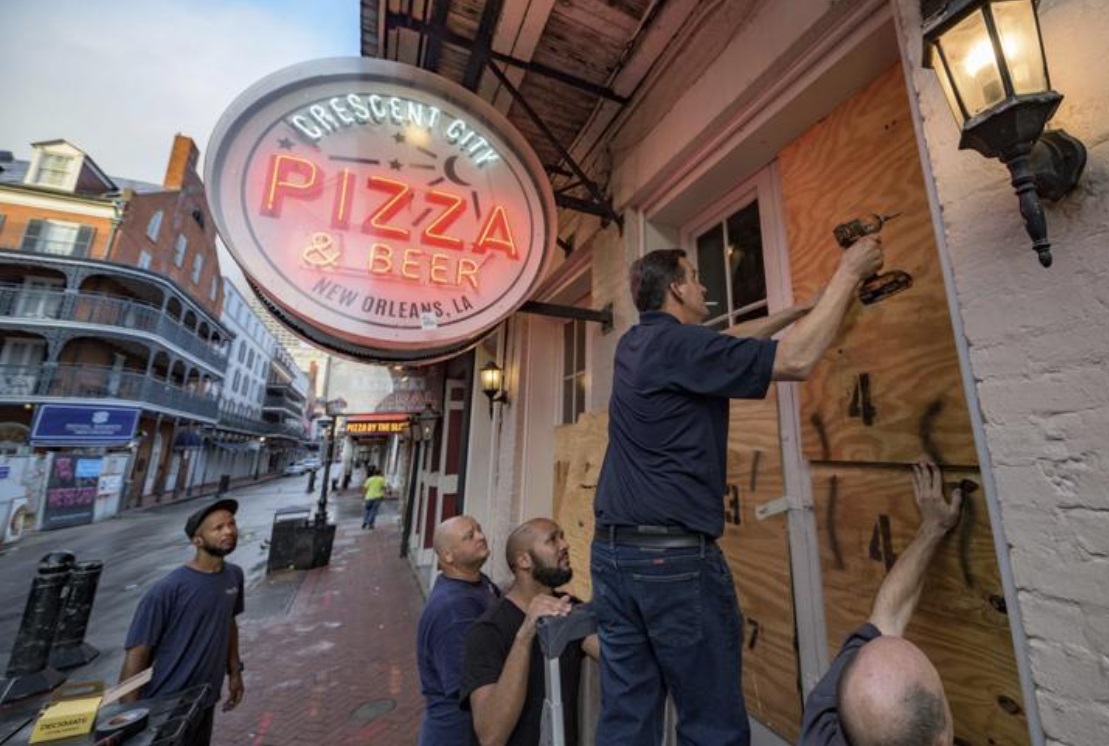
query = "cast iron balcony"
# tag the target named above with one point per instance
(32, 306)
(20, 382)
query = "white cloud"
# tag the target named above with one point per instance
(118, 79)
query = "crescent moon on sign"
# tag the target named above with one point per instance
(451, 172)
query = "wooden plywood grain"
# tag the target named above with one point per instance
(579, 452)
(863, 159)
(757, 552)
(758, 555)
(866, 517)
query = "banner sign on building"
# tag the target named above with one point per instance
(71, 489)
(379, 425)
(82, 425)
(380, 210)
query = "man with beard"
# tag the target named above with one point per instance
(502, 677)
(185, 624)
(461, 594)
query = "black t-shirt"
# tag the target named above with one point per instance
(488, 644)
(668, 422)
(820, 725)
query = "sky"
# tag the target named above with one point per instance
(119, 78)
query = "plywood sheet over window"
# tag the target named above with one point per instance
(757, 551)
(889, 391)
(758, 555)
(889, 388)
(866, 517)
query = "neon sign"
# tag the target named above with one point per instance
(380, 210)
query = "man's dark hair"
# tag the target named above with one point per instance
(651, 276)
(922, 718)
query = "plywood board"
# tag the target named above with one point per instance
(579, 452)
(757, 552)
(863, 159)
(866, 517)
(758, 555)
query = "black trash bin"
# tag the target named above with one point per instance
(224, 484)
(288, 529)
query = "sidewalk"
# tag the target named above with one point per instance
(332, 660)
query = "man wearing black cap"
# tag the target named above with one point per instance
(185, 624)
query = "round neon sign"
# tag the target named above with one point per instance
(381, 211)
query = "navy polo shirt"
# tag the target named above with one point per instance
(668, 422)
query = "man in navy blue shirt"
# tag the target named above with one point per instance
(881, 689)
(185, 624)
(666, 608)
(461, 594)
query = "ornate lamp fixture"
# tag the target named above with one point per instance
(421, 427)
(492, 383)
(990, 60)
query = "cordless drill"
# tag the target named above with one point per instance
(878, 286)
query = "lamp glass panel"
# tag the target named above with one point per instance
(1020, 41)
(490, 379)
(973, 66)
(948, 91)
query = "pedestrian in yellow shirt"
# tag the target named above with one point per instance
(374, 488)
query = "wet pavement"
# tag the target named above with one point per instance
(329, 652)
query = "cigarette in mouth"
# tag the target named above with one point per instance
(711, 303)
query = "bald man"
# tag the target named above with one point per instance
(461, 594)
(502, 677)
(881, 689)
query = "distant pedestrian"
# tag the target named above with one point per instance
(461, 594)
(185, 624)
(375, 488)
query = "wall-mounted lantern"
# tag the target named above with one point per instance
(492, 383)
(990, 60)
(421, 427)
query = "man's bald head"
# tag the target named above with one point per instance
(524, 537)
(460, 544)
(891, 695)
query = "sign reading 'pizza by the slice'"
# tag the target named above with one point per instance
(380, 210)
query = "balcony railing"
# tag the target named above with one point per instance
(242, 422)
(91, 382)
(91, 308)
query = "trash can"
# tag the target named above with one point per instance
(290, 526)
(224, 484)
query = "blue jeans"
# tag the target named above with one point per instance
(668, 621)
(371, 512)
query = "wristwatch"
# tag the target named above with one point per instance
(239, 668)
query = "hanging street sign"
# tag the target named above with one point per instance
(379, 210)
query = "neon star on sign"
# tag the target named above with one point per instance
(379, 210)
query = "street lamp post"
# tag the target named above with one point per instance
(332, 407)
(258, 460)
(421, 428)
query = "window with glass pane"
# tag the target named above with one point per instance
(54, 169)
(56, 237)
(573, 371)
(730, 266)
(179, 251)
(154, 226)
(198, 264)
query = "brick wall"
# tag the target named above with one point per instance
(1037, 351)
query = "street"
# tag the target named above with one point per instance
(137, 548)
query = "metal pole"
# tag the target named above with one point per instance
(321, 507)
(406, 529)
